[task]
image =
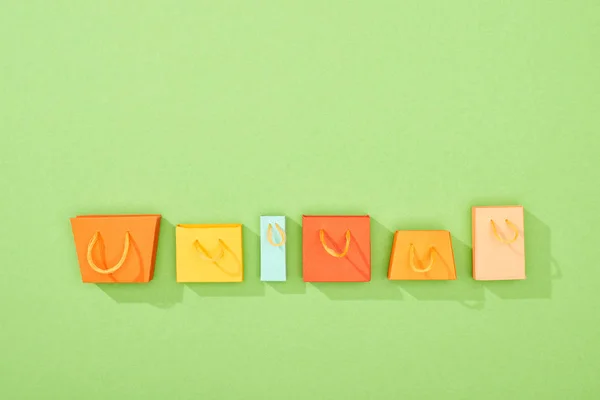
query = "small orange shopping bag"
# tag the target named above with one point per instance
(422, 255)
(116, 248)
(498, 243)
(336, 248)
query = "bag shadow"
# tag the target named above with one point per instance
(161, 291)
(294, 283)
(379, 288)
(464, 289)
(540, 268)
(251, 286)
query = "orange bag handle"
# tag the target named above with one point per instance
(331, 251)
(412, 257)
(270, 235)
(118, 265)
(203, 254)
(512, 226)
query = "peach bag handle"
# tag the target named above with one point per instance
(118, 265)
(512, 226)
(331, 251)
(270, 235)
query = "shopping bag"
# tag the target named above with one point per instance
(422, 255)
(272, 249)
(209, 253)
(116, 248)
(498, 243)
(336, 248)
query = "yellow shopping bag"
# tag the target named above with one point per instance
(209, 253)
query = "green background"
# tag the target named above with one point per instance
(411, 111)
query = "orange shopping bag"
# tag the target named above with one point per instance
(336, 248)
(116, 248)
(422, 255)
(498, 243)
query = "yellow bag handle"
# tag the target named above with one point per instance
(270, 235)
(512, 226)
(331, 251)
(118, 265)
(412, 257)
(203, 254)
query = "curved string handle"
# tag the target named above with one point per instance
(270, 235)
(331, 251)
(118, 265)
(412, 257)
(203, 253)
(512, 226)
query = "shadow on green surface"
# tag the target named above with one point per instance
(250, 287)
(162, 291)
(379, 288)
(464, 289)
(540, 268)
(293, 247)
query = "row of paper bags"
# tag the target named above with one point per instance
(122, 249)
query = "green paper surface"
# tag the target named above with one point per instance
(223, 111)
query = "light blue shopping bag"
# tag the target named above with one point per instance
(272, 248)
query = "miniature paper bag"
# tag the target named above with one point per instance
(209, 253)
(498, 243)
(336, 248)
(422, 255)
(272, 249)
(116, 248)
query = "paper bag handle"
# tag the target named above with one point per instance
(512, 226)
(331, 251)
(270, 235)
(118, 265)
(412, 257)
(203, 253)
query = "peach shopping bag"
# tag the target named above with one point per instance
(422, 255)
(116, 248)
(498, 243)
(209, 253)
